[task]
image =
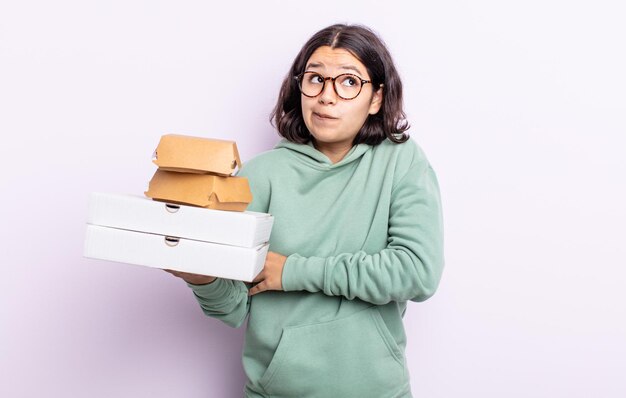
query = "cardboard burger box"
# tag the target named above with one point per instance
(188, 154)
(136, 230)
(205, 190)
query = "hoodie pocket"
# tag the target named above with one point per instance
(354, 356)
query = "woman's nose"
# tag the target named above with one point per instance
(328, 94)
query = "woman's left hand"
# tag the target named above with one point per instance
(271, 277)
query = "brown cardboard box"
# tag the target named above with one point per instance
(189, 154)
(205, 190)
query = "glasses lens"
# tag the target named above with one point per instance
(311, 84)
(347, 86)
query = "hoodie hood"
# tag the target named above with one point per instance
(309, 155)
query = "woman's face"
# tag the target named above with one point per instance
(330, 119)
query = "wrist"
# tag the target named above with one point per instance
(201, 280)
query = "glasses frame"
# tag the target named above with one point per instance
(299, 77)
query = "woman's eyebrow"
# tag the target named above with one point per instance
(346, 67)
(352, 68)
(314, 65)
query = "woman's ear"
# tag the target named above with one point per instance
(377, 101)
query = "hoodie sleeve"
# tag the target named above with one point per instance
(225, 299)
(409, 268)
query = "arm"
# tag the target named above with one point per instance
(219, 298)
(225, 299)
(409, 268)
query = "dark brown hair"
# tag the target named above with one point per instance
(390, 121)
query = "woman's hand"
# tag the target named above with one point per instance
(194, 279)
(271, 277)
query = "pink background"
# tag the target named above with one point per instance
(520, 108)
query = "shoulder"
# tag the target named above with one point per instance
(405, 156)
(408, 150)
(259, 172)
(263, 163)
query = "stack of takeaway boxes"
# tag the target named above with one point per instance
(196, 221)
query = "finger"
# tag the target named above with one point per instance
(258, 288)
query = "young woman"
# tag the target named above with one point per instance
(358, 230)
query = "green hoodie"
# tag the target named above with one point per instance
(363, 236)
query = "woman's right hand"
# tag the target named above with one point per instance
(194, 279)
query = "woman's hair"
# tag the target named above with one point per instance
(390, 121)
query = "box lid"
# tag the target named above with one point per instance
(189, 154)
(138, 213)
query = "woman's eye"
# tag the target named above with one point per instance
(349, 81)
(316, 79)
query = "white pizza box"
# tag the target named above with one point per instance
(138, 213)
(169, 252)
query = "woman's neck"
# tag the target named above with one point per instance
(333, 151)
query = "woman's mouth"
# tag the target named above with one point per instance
(324, 117)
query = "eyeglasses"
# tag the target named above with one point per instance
(347, 86)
